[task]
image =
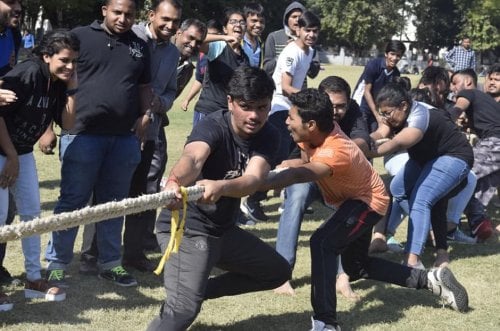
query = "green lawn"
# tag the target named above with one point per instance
(94, 304)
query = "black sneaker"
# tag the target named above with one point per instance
(119, 276)
(141, 264)
(253, 210)
(5, 276)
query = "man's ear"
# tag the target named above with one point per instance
(311, 125)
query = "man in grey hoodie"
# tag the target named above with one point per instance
(278, 40)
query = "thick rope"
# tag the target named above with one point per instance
(93, 214)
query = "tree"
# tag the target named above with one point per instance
(482, 24)
(438, 22)
(358, 24)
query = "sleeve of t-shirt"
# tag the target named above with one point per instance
(467, 94)
(337, 159)
(207, 130)
(419, 118)
(371, 71)
(215, 49)
(289, 60)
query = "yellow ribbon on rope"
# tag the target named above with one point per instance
(176, 232)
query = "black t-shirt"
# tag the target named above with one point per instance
(217, 75)
(483, 113)
(229, 155)
(442, 137)
(39, 102)
(109, 73)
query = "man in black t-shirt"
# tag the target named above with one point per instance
(229, 153)
(483, 113)
(100, 153)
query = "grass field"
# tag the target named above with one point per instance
(94, 304)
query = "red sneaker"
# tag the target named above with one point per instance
(483, 230)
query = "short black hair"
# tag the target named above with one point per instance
(309, 20)
(177, 4)
(335, 84)
(55, 41)
(494, 69)
(393, 94)
(215, 24)
(433, 75)
(253, 8)
(467, 72)
(250, 83)
(422, 94)
(313, 105)
(405, 82)
(187, 23)
(395, 46)
(229, 12)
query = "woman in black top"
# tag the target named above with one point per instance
(440, 159)
(44, 87)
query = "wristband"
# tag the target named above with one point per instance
(71, 92)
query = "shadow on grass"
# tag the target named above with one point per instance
(382, 304)
(86, 296)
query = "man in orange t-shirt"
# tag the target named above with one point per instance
(350, 184)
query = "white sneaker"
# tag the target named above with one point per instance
(321, 326)
(442, 282)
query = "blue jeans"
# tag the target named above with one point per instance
(102, 165)
(456, 206)
(298, 198)
(26, 195)
(417, 188)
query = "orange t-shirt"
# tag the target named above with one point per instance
(353, 177)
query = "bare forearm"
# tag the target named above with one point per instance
(241, 186)
(5, 142)
(69, 113)
(185, 171)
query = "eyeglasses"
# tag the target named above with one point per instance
(237, 22)
(386, 114)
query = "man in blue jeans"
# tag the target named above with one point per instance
(299, 196)
(100, 154)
